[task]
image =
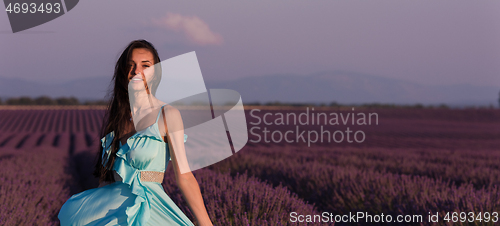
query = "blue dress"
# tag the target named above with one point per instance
(130, 201)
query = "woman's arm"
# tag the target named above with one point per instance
(185, 179)
(191, 191)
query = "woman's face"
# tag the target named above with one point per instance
(141, 65)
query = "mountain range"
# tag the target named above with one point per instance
(324, 87)
(355, 88)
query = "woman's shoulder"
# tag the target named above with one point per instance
(158, 102)
(170, 111)
(170, 118)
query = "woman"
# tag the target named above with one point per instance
(134, 154)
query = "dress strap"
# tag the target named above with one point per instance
(159, 112)
(166, 138)
(162, 112)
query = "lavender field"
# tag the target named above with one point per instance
(413, 162)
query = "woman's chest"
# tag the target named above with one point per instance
(146, 153)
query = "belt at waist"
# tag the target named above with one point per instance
(152, 176)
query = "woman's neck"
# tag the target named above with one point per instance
(141, 101)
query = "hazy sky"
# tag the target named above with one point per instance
(430, 42)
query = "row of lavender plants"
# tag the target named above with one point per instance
(241, 200)
(480, 168)
(35, 183)
(397, 128)
(261, 185)
(74, 120)
(378, 181)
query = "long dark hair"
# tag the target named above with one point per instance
(118, 110)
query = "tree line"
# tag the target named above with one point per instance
(45, 100)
